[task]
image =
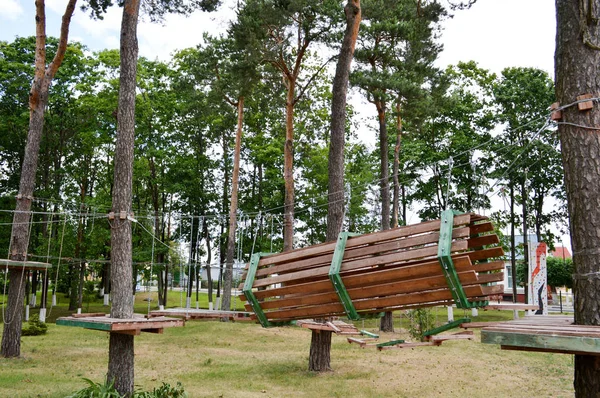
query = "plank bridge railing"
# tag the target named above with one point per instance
(451, 260)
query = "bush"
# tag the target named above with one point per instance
(35, 328)
(107, 390)
(420, 321)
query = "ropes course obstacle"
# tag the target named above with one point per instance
(439, 262)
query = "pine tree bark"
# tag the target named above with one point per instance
(577, 58)
(38, 99)
(288, 166)
(228, 274)
(320, 345)
(121, 350)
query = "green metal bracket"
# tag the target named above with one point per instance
(252, 300)
(448, 326)
(336, 279)
(445, 259)
(390, 343)
(260, 314)
(369, 334)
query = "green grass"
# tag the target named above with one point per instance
(214, 359)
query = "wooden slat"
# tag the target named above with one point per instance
(404, 287)
(481, 228)
(386, 260)
(371, 305)
(366, 239)
(359, 252)
(484, 240)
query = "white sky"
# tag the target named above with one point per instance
(494, 33)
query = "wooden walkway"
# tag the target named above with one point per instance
(544, 333)
(27, 265)
(193, 314)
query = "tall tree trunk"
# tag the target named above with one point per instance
(513, 254)
(233, 207)
(396, 169)
(387, 322)
(384, 175)
(288, 167)
(320, 345)
(525, 234)
(576, 63)
(120, 355)
(38, 98)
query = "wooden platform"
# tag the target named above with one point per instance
(189, 313)
(132, 326)
(544, 333)
(27, 265)
(383, 271)
(336, 326)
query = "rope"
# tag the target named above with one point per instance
(150, 277)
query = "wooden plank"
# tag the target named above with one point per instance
(89, 315)
(519, 307)
(481, 228)
(385, 260)
(25, 265)
(378, 248)
(419, 270)
(365, 239)
(121, 325)
(485, 254)
(371, 305)
(491, 266)
(387, 289)
(484, 240)
(545, 341)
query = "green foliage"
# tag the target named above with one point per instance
(420, 321)
(107, 390)
(35, 327)
(559, 272)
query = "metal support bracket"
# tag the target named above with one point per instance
(336, 279)
(252, 300)
(445, 259)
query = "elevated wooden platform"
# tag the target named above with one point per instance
(383, 271)
(554, 334)
(27, 265)
(336, 326)
(132, 326)
(189, 313)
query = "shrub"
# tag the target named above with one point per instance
(420, 321)
(35, 327)
(107, 390)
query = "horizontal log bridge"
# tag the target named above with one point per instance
(132, 326)
(453, 260)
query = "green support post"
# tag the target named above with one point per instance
(445, 259)
(252, 300)
(260, 314)
(336, 279)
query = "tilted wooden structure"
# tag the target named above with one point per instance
(432, 263)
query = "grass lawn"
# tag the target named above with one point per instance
(214, 359)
